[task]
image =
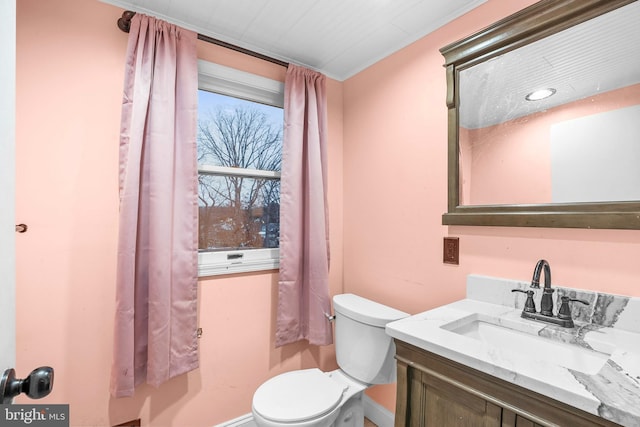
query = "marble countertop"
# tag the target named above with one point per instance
(609, 327)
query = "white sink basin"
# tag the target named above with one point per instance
(521, 337)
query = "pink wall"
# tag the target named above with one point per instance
(511, 162)
(395, 191)
(70, 68)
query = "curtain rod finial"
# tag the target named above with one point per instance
(124, 23)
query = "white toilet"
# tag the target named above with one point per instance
(312, 398)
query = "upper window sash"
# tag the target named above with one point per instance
(240, 84)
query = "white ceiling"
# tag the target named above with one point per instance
(336, 37)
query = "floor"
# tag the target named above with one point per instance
(368, 423)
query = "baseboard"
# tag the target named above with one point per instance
(377, 413)
(242, 421)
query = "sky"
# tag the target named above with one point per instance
(209, 100)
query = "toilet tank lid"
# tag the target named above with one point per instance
(365, 310)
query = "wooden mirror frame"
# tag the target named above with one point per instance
(533, 23)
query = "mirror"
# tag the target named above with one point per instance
(569, 160)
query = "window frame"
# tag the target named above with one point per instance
(250, 87)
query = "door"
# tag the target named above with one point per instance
(7, 183)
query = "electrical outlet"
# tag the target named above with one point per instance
(451, 251)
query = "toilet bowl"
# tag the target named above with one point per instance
(312, 398)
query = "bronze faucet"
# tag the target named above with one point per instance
(546, 302)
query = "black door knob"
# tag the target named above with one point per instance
(37, 385)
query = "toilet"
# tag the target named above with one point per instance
(312, 398)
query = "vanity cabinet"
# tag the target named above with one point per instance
(436, 392)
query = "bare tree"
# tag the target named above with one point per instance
(233, 209)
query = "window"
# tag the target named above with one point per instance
(240, 125)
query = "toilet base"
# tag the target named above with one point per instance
(351, 413)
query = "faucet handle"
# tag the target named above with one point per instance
(564, 312)
(565, 298)
(529, 305)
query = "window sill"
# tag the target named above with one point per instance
(217, 263)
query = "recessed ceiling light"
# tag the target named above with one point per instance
(539, 94)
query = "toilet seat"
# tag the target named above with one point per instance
(297, 396)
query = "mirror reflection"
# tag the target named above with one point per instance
(581, 144)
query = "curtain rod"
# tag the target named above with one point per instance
(124, 23)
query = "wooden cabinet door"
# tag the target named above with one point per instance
(446, 405)
(511, 419)
(435, 403)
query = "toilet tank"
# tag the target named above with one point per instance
(363, 350)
